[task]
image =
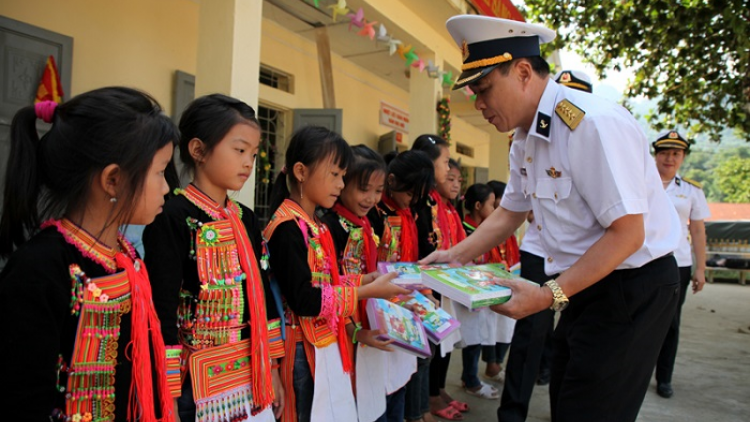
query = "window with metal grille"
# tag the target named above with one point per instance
(464, 149)
(276, 79)
(272, 132)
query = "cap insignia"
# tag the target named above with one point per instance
(465, 50)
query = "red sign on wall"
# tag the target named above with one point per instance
(498, 9)
(393, 117)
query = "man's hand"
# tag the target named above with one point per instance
(526, 299)
(699, 280)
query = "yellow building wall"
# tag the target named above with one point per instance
(358, 92)
(136, 43)
(470, 135)
(140, 43)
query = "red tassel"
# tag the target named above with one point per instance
(145, 322)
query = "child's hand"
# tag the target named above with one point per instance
(382, 288)
(433, 299)
(370, 338)
(369, 278)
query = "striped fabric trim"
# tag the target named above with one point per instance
(275, 342)
(174, 372)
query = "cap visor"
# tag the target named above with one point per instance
(472, 76)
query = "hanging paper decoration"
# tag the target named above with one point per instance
(403, 49)
(444, 118)
(432, 70)
(356, 19)
(448, 78)
(469, 93)
(339, 9)
(383, 34)
(406, 52)
(368, 30)
(393, 46)
(410, 57)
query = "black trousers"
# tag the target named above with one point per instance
(607, 341)
(526, 350)
(665, 362)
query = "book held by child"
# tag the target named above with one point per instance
(437, 323)
(400, 325)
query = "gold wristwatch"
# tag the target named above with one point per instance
(560, 300)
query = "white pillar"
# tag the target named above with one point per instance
(229, 57)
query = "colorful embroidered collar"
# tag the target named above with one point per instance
(212, 208)
(89, 245)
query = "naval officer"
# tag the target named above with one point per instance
(608, 230)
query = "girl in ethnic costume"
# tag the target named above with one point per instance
(377, 366)
(411, 175)
(209, 280)
(82, 341)
(481, 327)
(439, 228)
(317, 366)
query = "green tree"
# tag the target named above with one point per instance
(693, 56)
(733, 177)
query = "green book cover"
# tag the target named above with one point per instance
(474, 286)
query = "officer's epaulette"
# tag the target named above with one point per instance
(569, 113)
(693, 182)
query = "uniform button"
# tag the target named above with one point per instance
(538, 227)
(555, 195)
(528, 159)
(549, 259)
(534, 195)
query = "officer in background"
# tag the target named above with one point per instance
(670, 149)
(607, 227)
(530, 354)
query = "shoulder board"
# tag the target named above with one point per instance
(692, 182)
(569, 113)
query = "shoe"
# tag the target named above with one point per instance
(543, 378)
(485, 391)
(664, 389)
(448, 413)
(498, 378)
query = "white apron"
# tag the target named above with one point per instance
(333, 399)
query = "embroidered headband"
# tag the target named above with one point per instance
(45, 110)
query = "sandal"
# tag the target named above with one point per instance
(485, 392)
(448, 413)
(459, 405)
(498, 378)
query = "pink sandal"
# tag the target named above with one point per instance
(459, 405)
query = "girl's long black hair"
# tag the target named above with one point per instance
(311, 146)
(51, 177)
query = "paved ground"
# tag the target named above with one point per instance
(712, 374)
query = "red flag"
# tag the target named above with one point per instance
(50, 88)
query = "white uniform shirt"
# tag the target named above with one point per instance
(579, 182)
(532, 239)
(691, 204)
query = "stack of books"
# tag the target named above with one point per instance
(474, 286)
(409, 273)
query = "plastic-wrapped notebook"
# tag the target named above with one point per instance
(409, 273)
(399, 324)
(472, 286)
(437, 323)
